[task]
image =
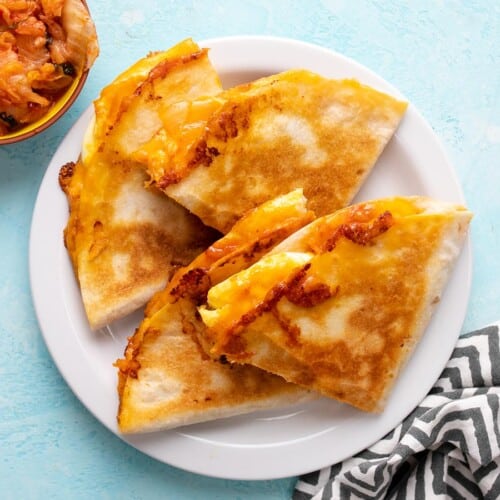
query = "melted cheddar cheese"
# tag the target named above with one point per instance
(241, 293)
(278, 133)
(115, 98)
(126, 240)
(252, 236)
(344, 323)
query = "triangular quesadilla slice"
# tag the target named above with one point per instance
(339, 306)
(166, 379)
(116, 98)
(262, 139)
(125, 240)
(168, 110)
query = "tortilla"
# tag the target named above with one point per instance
(359, 292)
(126, 240)
(287, 131)
(165, 378)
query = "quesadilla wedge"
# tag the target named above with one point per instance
(168, 109)
(114, 99)
(291, 130)
(165, 379)
(125, 241)
(339, 306)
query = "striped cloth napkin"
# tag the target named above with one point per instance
(449, 447)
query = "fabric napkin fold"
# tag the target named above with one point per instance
(448, 447)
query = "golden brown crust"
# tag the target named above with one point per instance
(164, 113)
(379, 290)
(124, 258)
(162, 69)
(165, 378)
(237, 250)
(125, 240)
(176, 385)
(71, 182)
(116, 98)
(65, 176)
(295, 129)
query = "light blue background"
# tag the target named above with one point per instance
(443, 55)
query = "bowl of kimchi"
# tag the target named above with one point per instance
(46, 50)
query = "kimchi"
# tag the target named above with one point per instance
(44, 46)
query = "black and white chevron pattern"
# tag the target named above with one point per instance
(449, 447)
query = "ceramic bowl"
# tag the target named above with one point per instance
(51, 117)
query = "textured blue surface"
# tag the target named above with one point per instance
(444, 56)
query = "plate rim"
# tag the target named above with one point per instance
(178, 438)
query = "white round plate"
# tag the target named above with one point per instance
(269, 444)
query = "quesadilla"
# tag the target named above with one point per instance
(125, 241)
(168, 109)
(339, 306)
(150, 95)
(265, 138)
(165, 379)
